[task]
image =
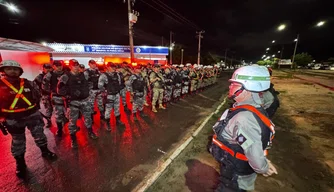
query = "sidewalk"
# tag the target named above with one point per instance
(303, 162)
(194, 169)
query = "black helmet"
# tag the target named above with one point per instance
(111, 64)
(47, 66)
(73, 62)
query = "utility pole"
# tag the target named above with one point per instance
(171, 47)
(199, 46)
(132, 18)
(181, 56)
(294, 52)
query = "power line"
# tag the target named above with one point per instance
(160, 11)
(175, 13)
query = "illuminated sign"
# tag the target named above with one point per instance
(107, 49)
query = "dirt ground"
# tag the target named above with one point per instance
(303, 150)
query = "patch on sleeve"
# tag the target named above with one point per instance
(244, 140)
(241, 139)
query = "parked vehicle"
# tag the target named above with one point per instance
(316, 66)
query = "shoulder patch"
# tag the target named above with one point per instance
(241, 139)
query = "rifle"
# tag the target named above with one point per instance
(3, 127)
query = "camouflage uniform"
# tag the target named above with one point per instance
(21, 114)
(110, 82)
(185, 81)
(145, 76)
(46, 98)
(168, 92)
(75, 88)
(125, 75)
(177, 85)
(194, 80)
(158, 89)
(49, 85)
(95, 94)
(138, 86)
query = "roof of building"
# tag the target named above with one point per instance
(18, 45)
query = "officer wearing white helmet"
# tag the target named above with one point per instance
(19, 108)
(244, 132)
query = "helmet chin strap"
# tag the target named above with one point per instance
(237, 93)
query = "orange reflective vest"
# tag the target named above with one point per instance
(18, 96)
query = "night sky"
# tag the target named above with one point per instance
(245, 28)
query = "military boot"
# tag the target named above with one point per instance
(108, 124)
(60, 129)
(102, 118)
(91, 134)
(154, 109)
(21, 167)
(142, 114)
(135, 116)
(126, 110)
(74, 143)
(161, 106)
(92, 116)
(118, 121)
(46, 153)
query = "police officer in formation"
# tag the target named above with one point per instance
(73, 86)
(157, 82)
(125, 73)
(93, 74)
(110, 83)
(46, 97)
(49, 86)
(178, 77)
(168, 92)
(76, 90)
(82, 68)
(19, 107)
(138, 84)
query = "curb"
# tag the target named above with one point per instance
(149, 180)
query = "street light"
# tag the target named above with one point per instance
(278, 51)
(273, 56)
(295, 40)
(320, 23)
(268, 49)
(281, 27)
(273, 41)
(11, 7)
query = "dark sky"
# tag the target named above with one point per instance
(245, 28)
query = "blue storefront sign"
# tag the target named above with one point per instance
(124, 49)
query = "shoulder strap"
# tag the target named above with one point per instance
(263, 118)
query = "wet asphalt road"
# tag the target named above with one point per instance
(117, 161)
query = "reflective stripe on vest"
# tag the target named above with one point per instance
(18, 95)
(230, 151)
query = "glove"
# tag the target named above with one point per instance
(271, 169)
